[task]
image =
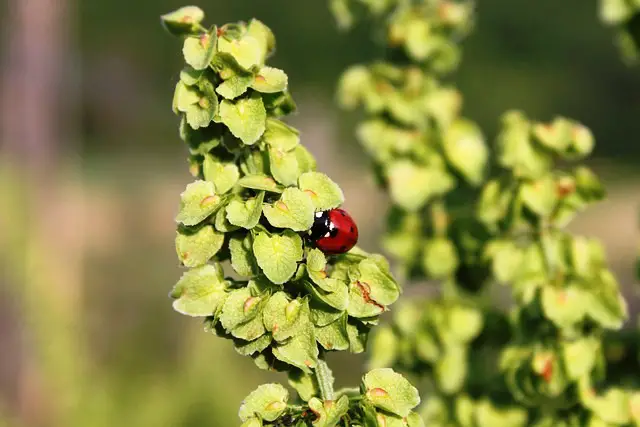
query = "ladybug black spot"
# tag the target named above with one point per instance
(342, 213)
(343, 248)
(351, 229)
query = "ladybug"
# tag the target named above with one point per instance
(334, 231)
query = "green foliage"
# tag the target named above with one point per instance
(624, 16)
(387, 400)
(467, 219)
(252, 205)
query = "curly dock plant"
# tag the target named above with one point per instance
(281, 302)
(464, 226)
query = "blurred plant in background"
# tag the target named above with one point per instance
(624, 16)
(539, 361)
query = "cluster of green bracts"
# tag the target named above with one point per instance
(251, 206)
(468, 227)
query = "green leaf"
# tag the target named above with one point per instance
(390, 391)
(361, 305)
(451, 369)
(488, 415)
(199, 51)
(306, 162)
(564, 307)
(242, 258)
(338, 299)
(234, 86)
(358, 334)
(516, 150)
(412, 186)
(202, 140)
(195, 249)
(465, 323)
(304, 384)
(540, 196)
(242, 314)
(223, 175)
(321, 314)
(315, 258)
(201, 114)
(325, 194)
(247, 51)
(200, 291)
(246, 213)
(281, 136)
(634, 405)
(444, 104)
(377, 284)
(284, 166)
(264, 35)
(588, 185)
(427, 346)
(252, 422)
(580, 357)
(198, 201)
(414, 420)
(279, 104)
(494, 203)
(440, 258)
(419, 39)
(612, 407)
(300, 351)
(200, 107)
(294, 210)
(316, 261)
(270, 80)
(466, 150)
(245, 118)
(183, 21)
(555, 136)
(221, 224)
(190, 76)
(328, 413)
(582, 142)
(247, 348)
(334, 335)
(285, 318)
(278, 255)
(184, 97)
(260, 182)
(384, 348)
(605, 303)
(507, 258)
(268, 401)
(342, 14)
(227, 66)
(614, 12)
(388, 420)
(353, 85)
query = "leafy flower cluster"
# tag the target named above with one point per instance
(250, 209)
(385, 398)
(624, 16)
(459, 222)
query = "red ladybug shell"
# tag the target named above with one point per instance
(334, 232)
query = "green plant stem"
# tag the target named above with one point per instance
(324, 376)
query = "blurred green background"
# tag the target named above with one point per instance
(91, 168)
